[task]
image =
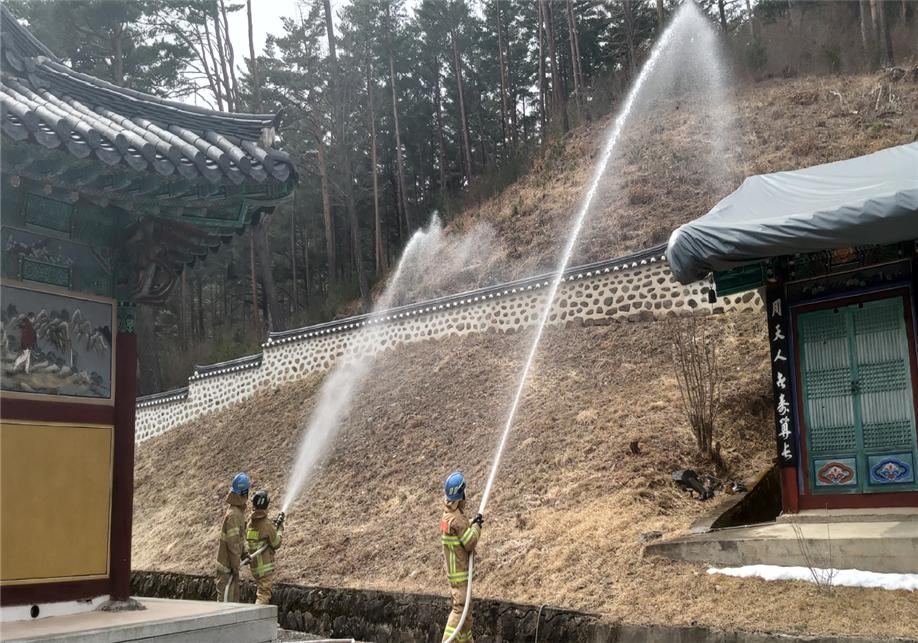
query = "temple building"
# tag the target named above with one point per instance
(835, 248)
(107, 195)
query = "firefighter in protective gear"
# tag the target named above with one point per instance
(232, 540)
(263, 538)
(458, 537)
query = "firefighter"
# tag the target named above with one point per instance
(263, 537)
(459, 537)
(232, 540)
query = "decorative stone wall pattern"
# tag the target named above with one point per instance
(628, 290)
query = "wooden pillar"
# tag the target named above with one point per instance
(123, 469)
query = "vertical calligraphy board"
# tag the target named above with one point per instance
(779, 343)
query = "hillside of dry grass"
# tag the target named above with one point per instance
(571, 501)
(665, 174)
(568, 506)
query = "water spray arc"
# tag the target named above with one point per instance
(688, 10)
(428, 264)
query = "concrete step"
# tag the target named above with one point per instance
(163, 621)
(890, 514)
(879, 546)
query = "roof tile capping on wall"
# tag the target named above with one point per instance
(638, 287)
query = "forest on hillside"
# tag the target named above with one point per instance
(393, 110)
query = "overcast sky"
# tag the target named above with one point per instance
(266, 18)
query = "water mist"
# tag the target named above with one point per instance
(431, 262)
(689, 38)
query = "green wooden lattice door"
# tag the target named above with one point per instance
(858, 405)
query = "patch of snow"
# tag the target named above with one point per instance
(840, 577)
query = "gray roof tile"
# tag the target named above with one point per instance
(44, 100)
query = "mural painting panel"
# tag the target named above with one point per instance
(56, 344)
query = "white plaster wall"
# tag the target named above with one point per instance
(642, 292)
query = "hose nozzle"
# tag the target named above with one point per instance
(279, 521)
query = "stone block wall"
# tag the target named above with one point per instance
(389, 617)
(636, 288)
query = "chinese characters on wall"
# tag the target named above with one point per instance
(778, 331)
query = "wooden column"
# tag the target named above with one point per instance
(123, 469)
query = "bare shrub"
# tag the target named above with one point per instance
(696, 365)
(820, 565)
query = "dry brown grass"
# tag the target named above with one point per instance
(657, 183)
(569, 503)
(570, 500)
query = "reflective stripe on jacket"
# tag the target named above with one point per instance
(260, 532)
(458, 537)
(229, 553)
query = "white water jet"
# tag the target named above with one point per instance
(686, 25)
(689, 31)
(429, 263)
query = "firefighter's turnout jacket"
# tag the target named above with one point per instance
(229, 554)
(259, 533)
(459, 538)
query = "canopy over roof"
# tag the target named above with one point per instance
(868, 200)
(127, 146)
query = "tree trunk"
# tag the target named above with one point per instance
(276, 319)
(751, 20)
(885, 35)
(866, 30)
(379, 251)
(629, 37)
(511, 94)
(306, 282)
(230, 52)
(183, 313)
(295, 304)
(256, 316)
(117, 55)
(151, 379)
(355, 237)
(542, 110)
(660, 15)
(207, 46)
(337, 106)
(723, 15)
(399, 163)
(558, 107)
(575, 57)
(464, 123)
(504, 119)
(439, 109)
(875, 32)
(202, 56)
(227, 89)
(327, 213)
(199, 287)
(253, 69)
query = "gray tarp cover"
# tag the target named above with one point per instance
(867, 200)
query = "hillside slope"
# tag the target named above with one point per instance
(571, 500)
(569, 504)
(664, 175)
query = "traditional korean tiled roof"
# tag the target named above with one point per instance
(44, 102)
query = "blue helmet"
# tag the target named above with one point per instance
(454, 487)
(240, 484)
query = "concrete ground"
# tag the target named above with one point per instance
(163, 621)
(877, 540)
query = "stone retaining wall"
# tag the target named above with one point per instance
(636, 288)
(385, 617)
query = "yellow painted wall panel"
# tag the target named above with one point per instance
(55, 501)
